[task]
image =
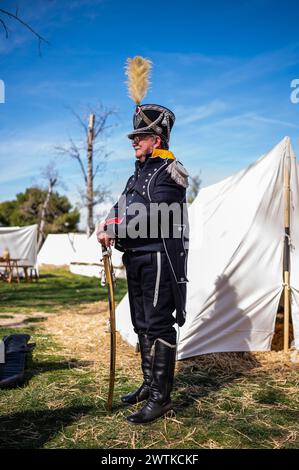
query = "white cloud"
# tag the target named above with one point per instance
(190, 114)
(228, 73)
(268, 120)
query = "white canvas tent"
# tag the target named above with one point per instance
(59, 248)
(21, 243)
(235, 266)
(87, 260)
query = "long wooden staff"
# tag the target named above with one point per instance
(110, 281)
(286, 258)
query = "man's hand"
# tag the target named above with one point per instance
(104, 239)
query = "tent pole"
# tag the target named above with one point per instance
(286, 258)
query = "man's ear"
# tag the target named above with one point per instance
(158, 142)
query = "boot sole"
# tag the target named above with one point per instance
(168, 414)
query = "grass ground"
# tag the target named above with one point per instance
(232, 400)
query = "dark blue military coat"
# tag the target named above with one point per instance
(161, 179)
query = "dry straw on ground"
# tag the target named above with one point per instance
(215, 388)
(83, 333)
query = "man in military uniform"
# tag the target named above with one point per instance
(155, 260)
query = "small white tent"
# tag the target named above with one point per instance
(21, 243)
(87, 260)
(59, 248)
(236, 260)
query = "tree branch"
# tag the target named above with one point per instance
(85, 127)
(4, 27)
(100, 195)
(16, 17)
(73, 152)
(100, 126)
(101, 165)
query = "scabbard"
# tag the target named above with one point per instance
(109, 274)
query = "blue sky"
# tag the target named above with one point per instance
(224, 67)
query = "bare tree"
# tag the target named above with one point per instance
(194, 188)
(95, 129)
(50, 173)
(9, 15)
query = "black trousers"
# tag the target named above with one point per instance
(150, 294)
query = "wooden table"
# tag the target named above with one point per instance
(9, 264)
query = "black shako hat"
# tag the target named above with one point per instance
(152, 119)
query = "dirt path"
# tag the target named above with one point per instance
(19, 320)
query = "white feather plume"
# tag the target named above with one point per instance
(138, 72)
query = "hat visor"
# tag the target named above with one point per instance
(140, 131)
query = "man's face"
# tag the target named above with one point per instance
(144, 145)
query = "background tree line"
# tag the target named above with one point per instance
(26, 209)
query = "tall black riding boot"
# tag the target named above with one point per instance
(142, 393)
(159, 402)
